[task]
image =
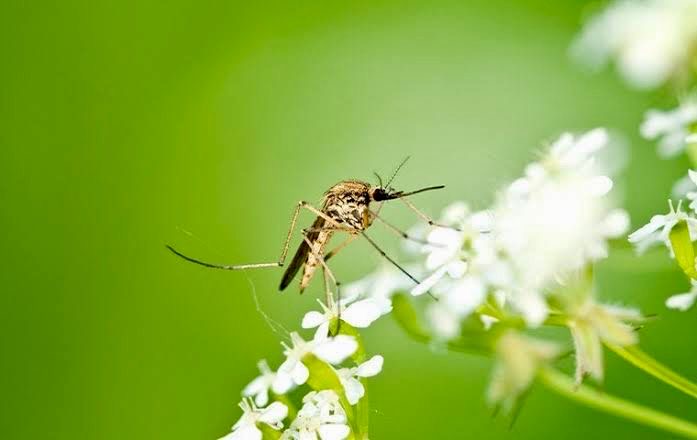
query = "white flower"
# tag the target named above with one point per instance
(657, 230)
(555, 220)
(590, 324)
(518, 359)
(380, 286)
(651, 40)
(683, 301)
(333, 350)
(672, 127)
(444, 322)
(246, 427)
(570, 152)
(321, 416)
(692, 195)
(359, 314)
(686, 187)
(259, 387)
(448, 249)
(350, 377)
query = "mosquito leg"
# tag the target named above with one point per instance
(340, 247)
(425, 217)
(399, 232)
(320, 258)
(335, 225)
(394, 263)
(278, 263)
(327, 290)
(223, 266)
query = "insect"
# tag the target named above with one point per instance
(346, 207)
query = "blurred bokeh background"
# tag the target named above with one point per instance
(127, 125)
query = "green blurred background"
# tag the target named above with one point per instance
(125, 124)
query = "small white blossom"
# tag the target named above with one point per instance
(259, 387)
(333, 350)
(246, 427)
(359, 314)
(683, 301)
(448, 249)
(692, 195)
(657, 230)
(651, 41)
(380, 286)
(590, 324)
(321, 417)
(518, 359)
(672, 127)
(350, 377)
(555, 220)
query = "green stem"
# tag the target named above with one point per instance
(585, 395)
(635, 356)
(361, 410)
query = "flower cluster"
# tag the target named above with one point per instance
(674, 129)
(659, 230)
(654, 41)
(320, 365)
(651, 41)
(524, 260)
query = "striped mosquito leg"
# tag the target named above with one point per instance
(279, 263)
(398, 231)
(393, 262)
(425, 217)
(340, 247)
(320, 258)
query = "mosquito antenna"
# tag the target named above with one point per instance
(397, 170)
(379, 178)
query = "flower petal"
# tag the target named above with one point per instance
(681, 301)
(656, 222)
(313, 319)
(256, 386)
(274, 413)
(430, 281)
(336, 350)
(331, 431)
(361, 313)
(371, 367)
(300, 373)
(282, 383)
(354, 390)
(246, 432)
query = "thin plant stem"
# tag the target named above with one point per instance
(565, 386)
(635, 356)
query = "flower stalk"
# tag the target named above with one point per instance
(635, 356)
(567, 387)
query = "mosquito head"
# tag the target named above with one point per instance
(380, 194)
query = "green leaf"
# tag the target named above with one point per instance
(268, 433)
(477, 342)
(322, 375)
(405, 315)
(683, 249)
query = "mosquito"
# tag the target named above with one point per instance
(346, 207)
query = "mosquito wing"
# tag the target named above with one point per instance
(301, 254)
